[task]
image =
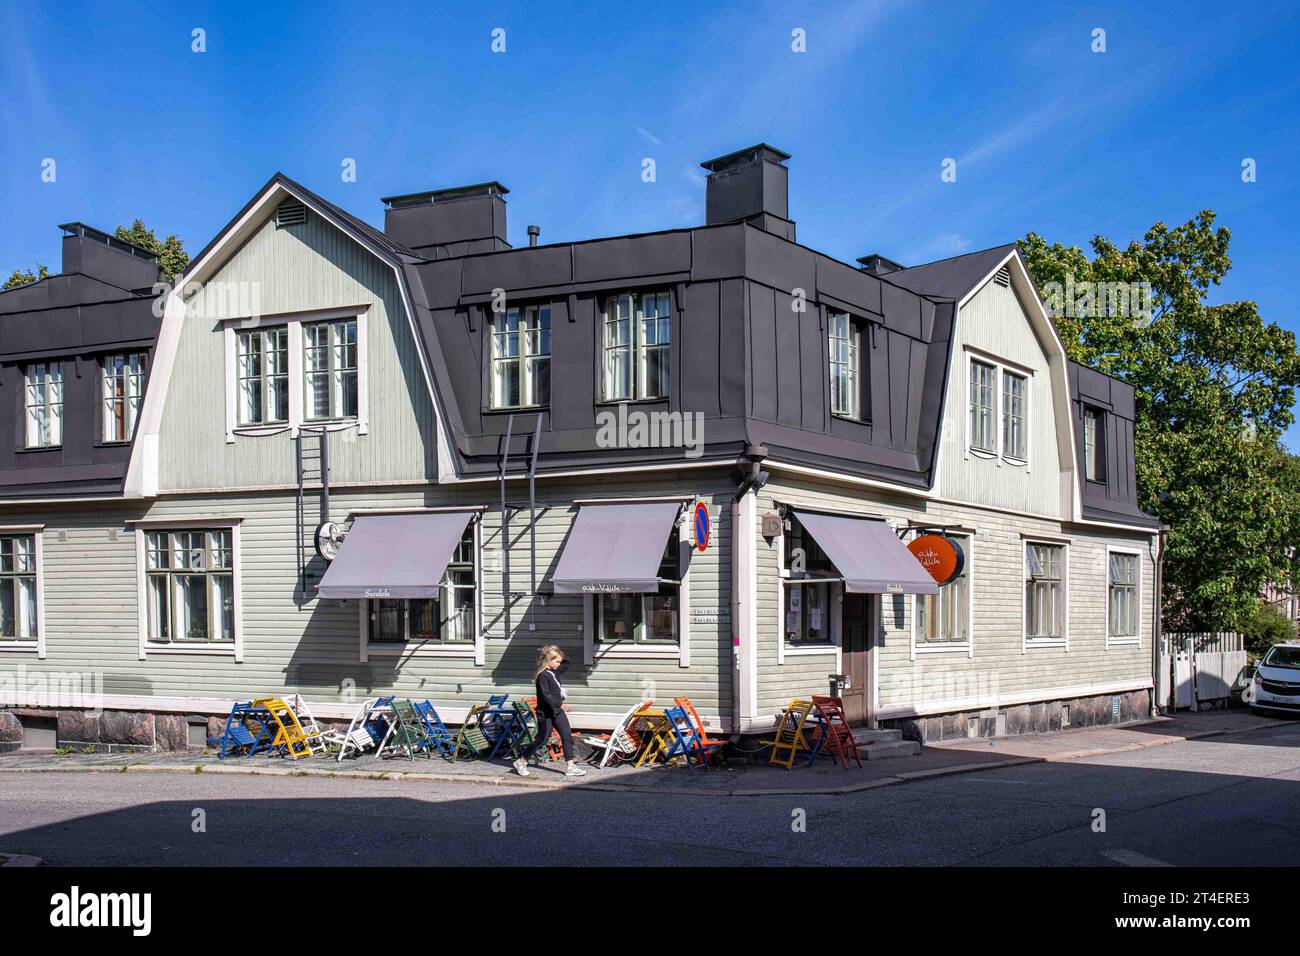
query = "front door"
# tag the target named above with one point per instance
(855, 640)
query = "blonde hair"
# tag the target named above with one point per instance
(544, 655)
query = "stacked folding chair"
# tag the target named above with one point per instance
(790, 736)
(442, 738)
(624, 741)
(237, 739)
(369, 727)
(471, 741)
(710, 747)
(836, 735)
(290, 738)
(407, 733)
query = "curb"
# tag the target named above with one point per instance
(909, 776)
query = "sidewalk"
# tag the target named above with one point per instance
(950, 757)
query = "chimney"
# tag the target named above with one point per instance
(447, 223)
(750, 185)
(877, 265)
(96, 254)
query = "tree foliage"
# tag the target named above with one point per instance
(19, 277)
(172, 257)
(1215, 386)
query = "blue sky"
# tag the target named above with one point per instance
(1047, 134)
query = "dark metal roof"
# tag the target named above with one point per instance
(951, 278)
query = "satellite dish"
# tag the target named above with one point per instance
(329, 536)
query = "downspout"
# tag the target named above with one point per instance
(1157, 625)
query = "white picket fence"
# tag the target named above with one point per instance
(1200, 667)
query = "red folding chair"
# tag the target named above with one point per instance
(837, 737)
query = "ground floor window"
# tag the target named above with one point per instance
(18, 587)
(446, 619)
(944, 618)
(1122, 616)
(190, 586)
(1044, 592)
(650, 618)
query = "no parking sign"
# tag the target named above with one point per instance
(702, 526)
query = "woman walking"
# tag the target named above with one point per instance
(550, 709)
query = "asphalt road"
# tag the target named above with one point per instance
(1225, 801)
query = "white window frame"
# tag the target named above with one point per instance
(469, 650)
(135, 367)
(51, 379)
(296, 373)
(852, 340)
(636, 391)
(967, 646)
(529, 321)
(1134, 639)
(37, 645)
(835, 610)
(1026, 641)
(1001, 368)
(142, 529)
(333, 370)
(652, 650)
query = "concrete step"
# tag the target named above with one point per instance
(898, 748)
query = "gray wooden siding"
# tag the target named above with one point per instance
(998, 665)
(995, 323)
(296, 269)
(313, 648)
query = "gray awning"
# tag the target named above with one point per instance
(394, 556)
(868, 555)
(615, 548)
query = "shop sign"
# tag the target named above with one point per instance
(939, 555)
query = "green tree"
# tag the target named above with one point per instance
(172, 257)
(18, 277)
(1215, 386)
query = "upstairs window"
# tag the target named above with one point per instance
(330, 370)
(521, 357)
(1013, 415)
(846, 366)
(43, 401)
(122, 385)
(1094, 444)
(263, 376)
(635, 346)
(982, 382)
(190, 586)
(18, 588)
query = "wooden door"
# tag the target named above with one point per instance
(855, 640)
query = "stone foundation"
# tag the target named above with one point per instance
(1039, 718)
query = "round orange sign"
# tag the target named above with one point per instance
(941, 556)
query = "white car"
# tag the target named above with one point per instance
(1276, 684)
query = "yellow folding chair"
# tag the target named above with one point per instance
(289, 733)
(790, 737)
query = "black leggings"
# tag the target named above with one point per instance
(561, 723)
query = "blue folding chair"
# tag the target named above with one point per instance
(686, 740)
(237, 737)
(443, 739)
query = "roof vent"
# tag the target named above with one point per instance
(1003, 277)
(290, 213)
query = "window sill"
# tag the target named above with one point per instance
(1046, 642)
(601, 649)
(810, 650)
(224, 650)
(940, 647)
(421, 650)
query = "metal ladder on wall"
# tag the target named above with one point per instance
(311, 452)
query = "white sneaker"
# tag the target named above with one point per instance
(575, 771)
(521, 767)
